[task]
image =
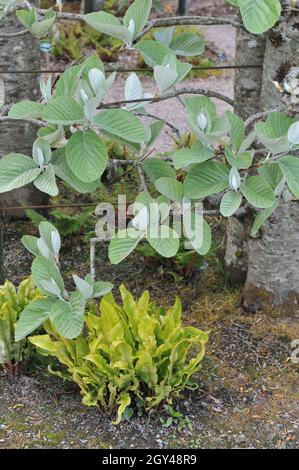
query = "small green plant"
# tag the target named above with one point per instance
(134, 352)
(66, 224)
(12, 302)
(175, 418)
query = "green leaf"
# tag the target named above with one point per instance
(230, 203)
(290, 169)
(258, 192)
(205, 179)
(198, 153)
(271, 173)
(170, 188)
(166, 241)
(122, 244)
(110, 25)
(41, 29)
(237, 129)
(198, 232)
(156, 168)
(124, 401)
(153, 52)
(241, 161)
(44, 269)
(139, 12)
(46, 182)
(68, 81)
(86, 155)
(201, 104)
(155, 131)
(64, 110)
(261, 218)
(32, 317)
(30, 243)
(121, 123)
(17, 170)
(63, 171)
(187, 45)
(165, 77)
(68, 317)
(273, 133)
(26, 110)
(259, 15)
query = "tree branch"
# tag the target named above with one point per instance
(174, 94)
(14, 35)
(256, 117)
(31, 121)
(188, 20)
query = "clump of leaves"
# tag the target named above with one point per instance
(13, 353)
(66, 224)
(136, 351)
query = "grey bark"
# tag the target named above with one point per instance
(92, 5)
(273, 258)
(250, 50)
(17, 54)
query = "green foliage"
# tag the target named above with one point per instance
(12, 303)
(64, 309)
(258, 15)
(136, 351)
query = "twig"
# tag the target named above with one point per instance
(171, 126)
(255, 117)
(36, 122)
(174, 94)
(14, 35)
(143, 185)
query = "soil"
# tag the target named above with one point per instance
(248, 388)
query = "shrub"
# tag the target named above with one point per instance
(12, 303)
(134, 352)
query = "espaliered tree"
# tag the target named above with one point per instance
(251, 162)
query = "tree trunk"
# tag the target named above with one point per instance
(92, 5)
(250, 50)
(273, 258)
(19, 53)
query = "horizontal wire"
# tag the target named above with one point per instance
(137, 70)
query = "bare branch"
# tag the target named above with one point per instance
(188, 20)
(14, 35)
(256, 117)
(174, 94)
(31, 121)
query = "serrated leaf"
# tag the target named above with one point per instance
(230, 203)
(170, 188)
(258, 192)
(32, 317)
(153, 52)
(68, 317)
(198, 153)
(64, 110)
(46, 181)
(166, 241)
(187, 45)
(17, 170)
(86, 155)
(290, 169)
(121, 123)
(156, 168)
(139, 12)
(26, 110)
(165, 77)
(241, 161)
(44, 269)
(205, 179)
(122, 244)
(64, 172)
(259, 15)
(110, 25)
